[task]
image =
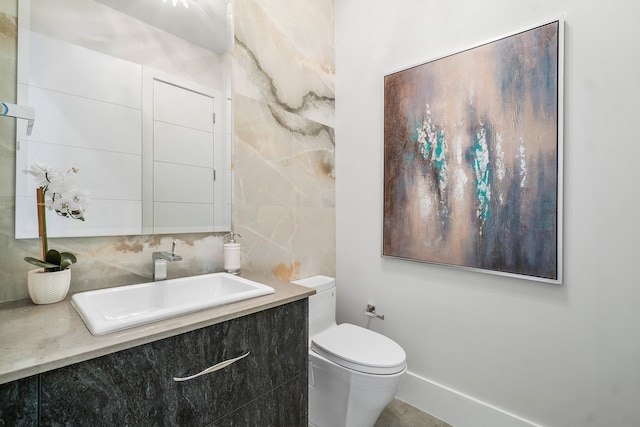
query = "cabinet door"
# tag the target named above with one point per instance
(19, 402)
(136, 386)
(286, 405)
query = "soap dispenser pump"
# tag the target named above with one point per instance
(231, 252)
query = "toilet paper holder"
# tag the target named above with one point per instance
(371, 312)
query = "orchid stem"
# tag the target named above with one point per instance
(42, 221)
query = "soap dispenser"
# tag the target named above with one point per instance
(232, 254)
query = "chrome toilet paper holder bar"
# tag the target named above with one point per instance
(371, 312)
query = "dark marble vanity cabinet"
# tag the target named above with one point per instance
(136, 386)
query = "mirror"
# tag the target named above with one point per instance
(137, 96)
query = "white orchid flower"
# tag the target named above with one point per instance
(60, 187)
(60, 182)
(58, 191)
(39, 172)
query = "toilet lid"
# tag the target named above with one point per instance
(360, 349)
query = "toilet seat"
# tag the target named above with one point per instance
(360, 349)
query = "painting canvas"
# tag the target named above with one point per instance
(472, 158)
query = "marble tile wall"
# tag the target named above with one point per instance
(284, 181)
(284, 192)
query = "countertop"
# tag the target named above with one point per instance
(39, 338)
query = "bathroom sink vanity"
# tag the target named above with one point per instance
(123, 307)
(129, 377)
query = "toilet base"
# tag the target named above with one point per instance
(340, 397)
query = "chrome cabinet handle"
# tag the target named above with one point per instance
(213, 368)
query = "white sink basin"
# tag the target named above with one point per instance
(113, 309)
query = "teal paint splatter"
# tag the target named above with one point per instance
(432, 147)
(423, 137)
(439, 160)
(482, 172)
(416, 132)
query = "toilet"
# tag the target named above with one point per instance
(353, 372)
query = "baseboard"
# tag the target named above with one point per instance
(454, 407)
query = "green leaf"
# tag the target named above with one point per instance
(43, 264)
(54, 260)
(66, 259)
(53, 257)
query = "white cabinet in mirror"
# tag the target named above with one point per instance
(145, 115)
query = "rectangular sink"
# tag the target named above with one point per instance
(114, 309)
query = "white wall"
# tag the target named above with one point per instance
(484, 349)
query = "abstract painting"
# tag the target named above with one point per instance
(472, 158)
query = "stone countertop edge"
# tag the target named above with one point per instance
(39, 338)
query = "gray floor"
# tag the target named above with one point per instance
(401, 414)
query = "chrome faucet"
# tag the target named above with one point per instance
(160, 260)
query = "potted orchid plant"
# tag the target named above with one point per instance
(56, 192)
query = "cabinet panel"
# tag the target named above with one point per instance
(19, 403)
(276, 408)
(136, 386)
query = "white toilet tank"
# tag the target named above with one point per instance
(353, 372)
(322, 305)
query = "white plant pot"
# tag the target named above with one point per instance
(48, 287)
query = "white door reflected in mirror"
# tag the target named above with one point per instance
(132, 107)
